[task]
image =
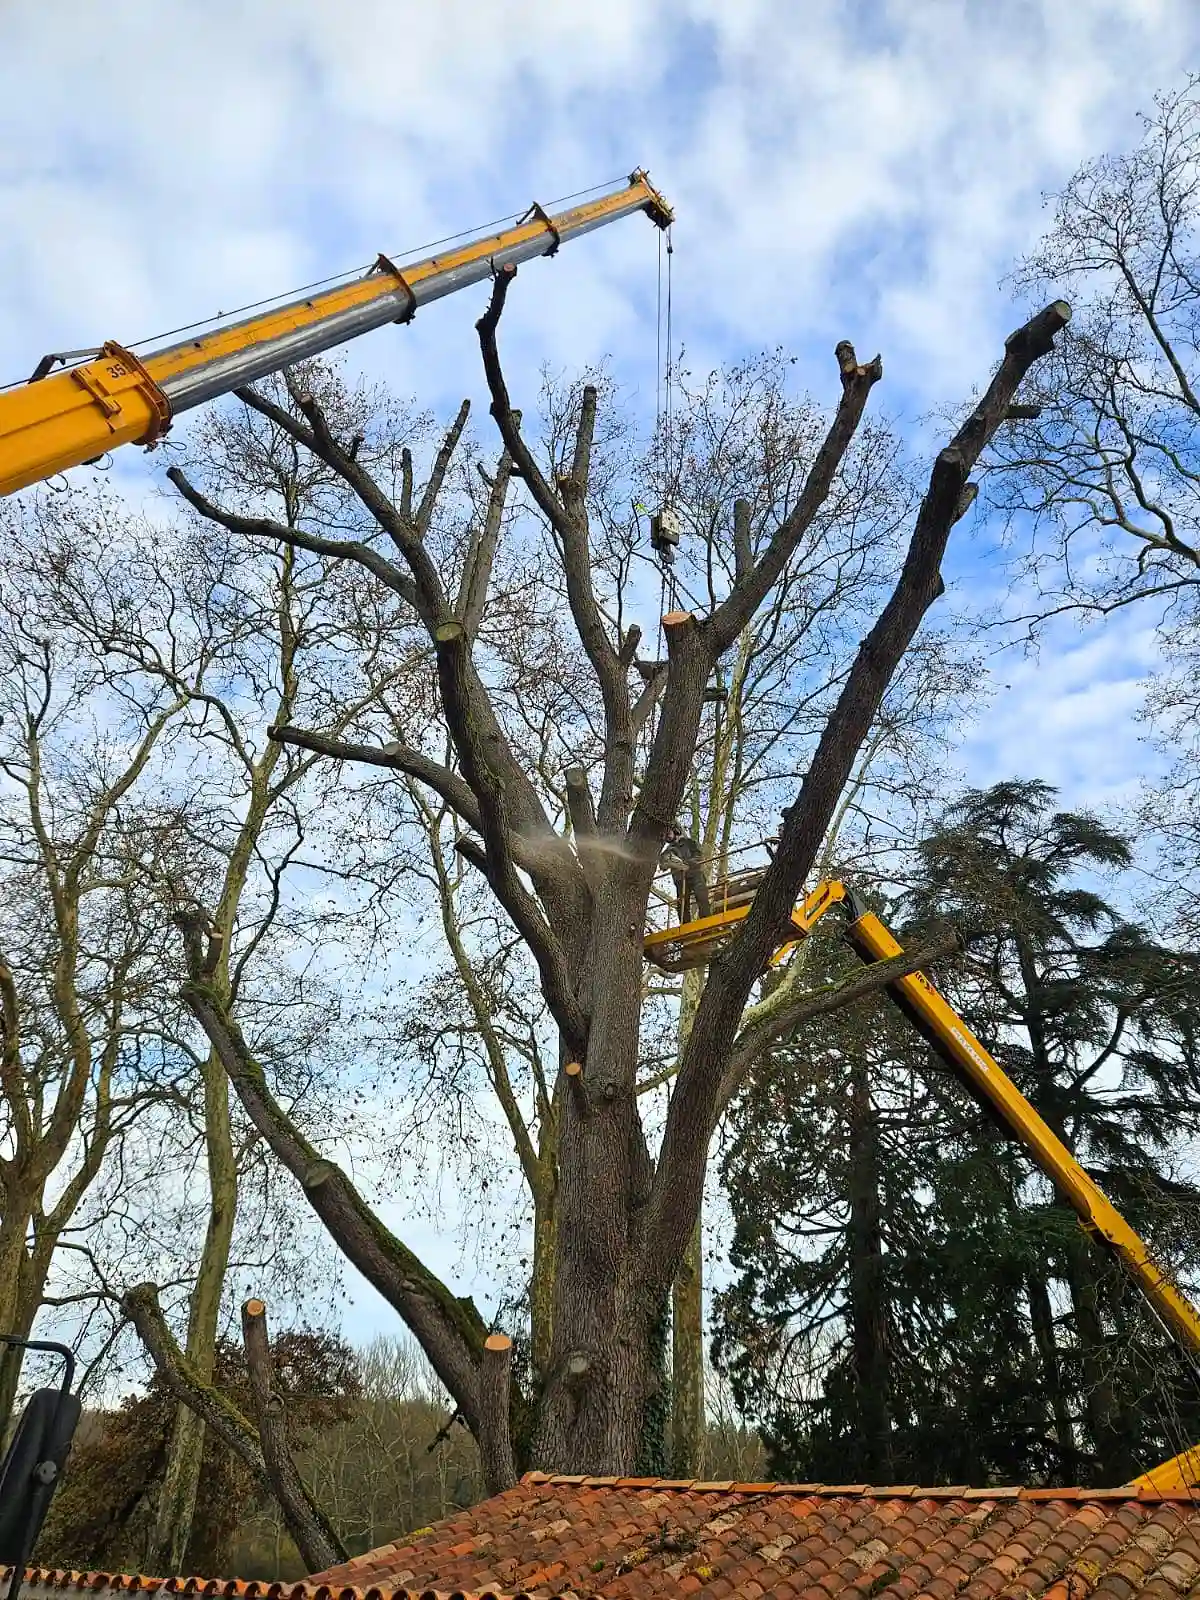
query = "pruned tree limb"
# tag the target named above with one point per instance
(579, 802)
(314, 1534)
(682, 685)
(697, 1100)
(555, 871)
(743, 555)
(830, 997)
(441, 465)
(140, 1305)
(567, 515)
(495, 1436)
(449, 1330)
(752, 587)
(266, 528)
(429, 599)
(481, 555)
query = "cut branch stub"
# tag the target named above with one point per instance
(677, 626)
(743, 556)
(495, 1438)
(629, 645)
(579, 802)
(578, 1088)
(852, 370)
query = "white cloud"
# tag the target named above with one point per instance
(1069, 714)
(870, 166)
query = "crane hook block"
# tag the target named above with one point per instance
(664, 531)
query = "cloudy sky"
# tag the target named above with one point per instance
(852, 169)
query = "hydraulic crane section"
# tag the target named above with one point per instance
(982, 1075)
(692, 943)
(63, 419)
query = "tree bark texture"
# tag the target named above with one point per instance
(687, 1362)
(867, 1287)
(185, 1450)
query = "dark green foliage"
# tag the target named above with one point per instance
(913, 1303)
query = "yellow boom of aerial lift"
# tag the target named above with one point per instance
(692, 943)
(110, 396)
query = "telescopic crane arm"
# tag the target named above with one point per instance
(982, 1075)
(109, 397)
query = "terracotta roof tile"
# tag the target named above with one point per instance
(645, 1539)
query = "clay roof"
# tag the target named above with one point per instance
(642, 1538)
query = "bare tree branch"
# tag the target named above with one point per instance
(568, 517)
(396, 756)
(449, 1330)
(267, 528)
(750, 590)
(755, 1039)
(141, 1306)
(481, 554)
(441, 466)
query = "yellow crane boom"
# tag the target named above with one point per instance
(110, 396)
(977, 1069)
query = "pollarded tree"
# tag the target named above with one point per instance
(577, 899)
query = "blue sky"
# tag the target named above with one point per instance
(861, 170)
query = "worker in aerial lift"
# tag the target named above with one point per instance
(682, 855)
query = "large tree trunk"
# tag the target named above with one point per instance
(687, 1362)
(18, 1306)
(171, 1534)
(867, 1290)
(604, 1310)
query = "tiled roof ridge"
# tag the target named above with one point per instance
(40, 1578)
(864, 1491)
(963, 1505)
